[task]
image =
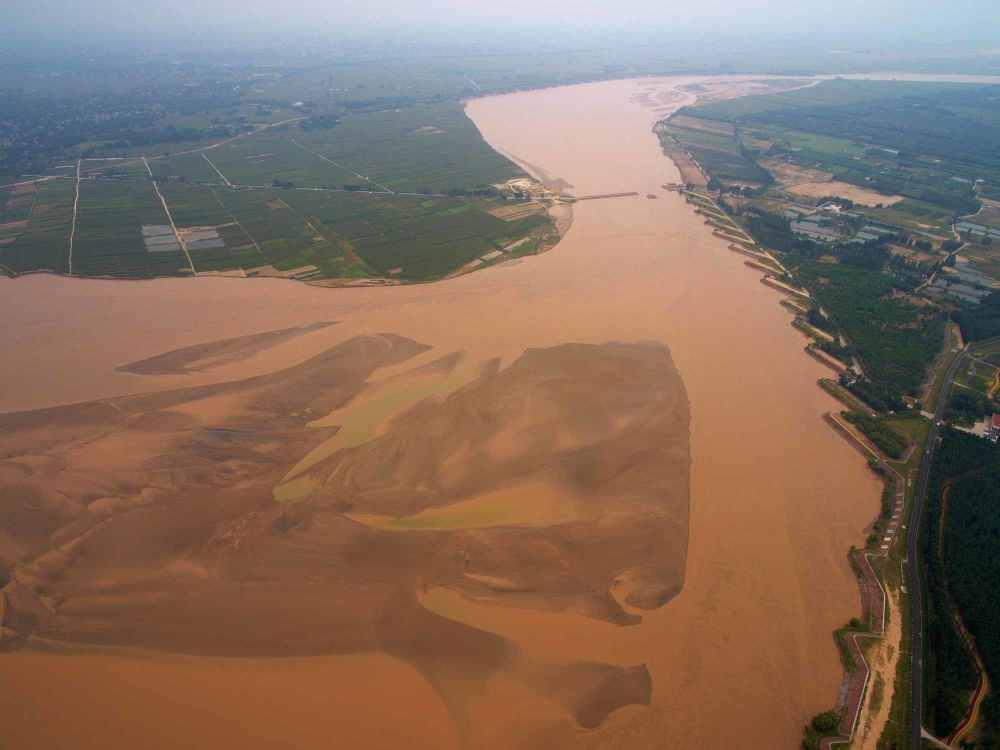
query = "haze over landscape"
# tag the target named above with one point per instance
(743, 18)
(458, 374)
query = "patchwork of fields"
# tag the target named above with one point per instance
(935, 144)
(403, 194)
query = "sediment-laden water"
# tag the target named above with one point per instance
(715, 632)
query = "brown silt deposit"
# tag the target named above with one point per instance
(584, 499)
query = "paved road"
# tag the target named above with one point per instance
(914, 568)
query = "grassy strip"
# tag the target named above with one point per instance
(884, 437)
(845, 396)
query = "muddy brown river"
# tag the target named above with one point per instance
(740, 657)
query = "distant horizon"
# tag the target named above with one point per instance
(106, 27)
(780, 54)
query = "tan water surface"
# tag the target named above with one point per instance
(741, 657)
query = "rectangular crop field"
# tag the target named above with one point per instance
(109, 231)
(262, 159)
(188, 168)
(42, 242)
(194, 205)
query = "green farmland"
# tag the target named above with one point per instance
(405, 194)
(720, 154)
(425, 149)
(359, 234)
(41, 241)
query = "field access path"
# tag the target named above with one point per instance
(166, 210)
(224, 179)
(971, 717)
(72, 231)
(337, 164)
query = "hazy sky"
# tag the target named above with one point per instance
(957, 21)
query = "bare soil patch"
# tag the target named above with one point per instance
(815, 183)
(909, 252)
(989, 214)
(791, 174)
(731, 89)
(844, 190)
(883, 658)
(690, 172)
(429, 130)
(517, 211)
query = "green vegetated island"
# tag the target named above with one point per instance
(877, 203)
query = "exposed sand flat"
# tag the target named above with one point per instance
(928, 77)
(216, 353)
(742, 654)
(815, 183)
(844, 190)
(883, 659)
